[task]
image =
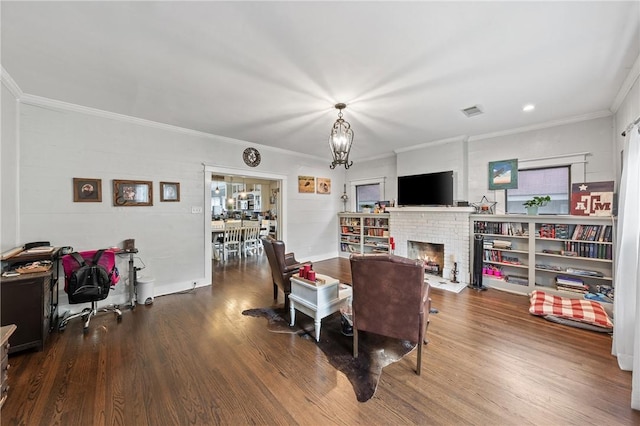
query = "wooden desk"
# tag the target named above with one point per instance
(30, 301)
(5, 332)
(25, 303)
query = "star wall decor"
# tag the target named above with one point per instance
(484, 206)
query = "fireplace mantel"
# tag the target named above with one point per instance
(431, 209)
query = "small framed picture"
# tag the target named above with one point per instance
(169, 191)
(503, 174)
(324, 186)
(307, 184)
(87, 190)
(128, 193)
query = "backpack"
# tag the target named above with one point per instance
(90, 282)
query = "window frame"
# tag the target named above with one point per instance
(569, 170)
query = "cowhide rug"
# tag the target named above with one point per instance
(374, 352)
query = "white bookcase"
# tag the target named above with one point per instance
(363, 233)
(523, 253)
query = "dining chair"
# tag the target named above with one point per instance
(250, 241)
(232, 239)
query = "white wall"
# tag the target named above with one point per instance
(57, 145)
(364, 170)
(9, 171)
(593, 136)
(438, 157)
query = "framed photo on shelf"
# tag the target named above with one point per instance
(169, 191)
(87, 190)
(503, 174)
(127, 193)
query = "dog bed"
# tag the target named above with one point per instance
(580, 313)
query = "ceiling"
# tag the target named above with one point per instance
(270, 72)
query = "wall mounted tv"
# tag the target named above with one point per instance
(431, 189)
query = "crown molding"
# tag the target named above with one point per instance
(10, 84)
(66, 106)
(546, 125)
(628, 83)
(460, 138)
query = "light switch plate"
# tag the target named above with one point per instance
(196, 210)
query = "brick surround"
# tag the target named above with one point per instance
(438, 225)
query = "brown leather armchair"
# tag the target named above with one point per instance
(390, 298)
(283, 266)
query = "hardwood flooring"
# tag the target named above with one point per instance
(193, 358)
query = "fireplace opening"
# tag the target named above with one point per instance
(430, 253)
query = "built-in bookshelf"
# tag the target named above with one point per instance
(571, 256)
(363, 233)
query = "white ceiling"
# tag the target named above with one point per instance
(270, 72)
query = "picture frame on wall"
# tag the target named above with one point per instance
(128, 193)
(169, 191)
(306, 184)
(503, 174)
(87, 190)
(323, 186)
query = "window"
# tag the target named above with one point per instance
(367, 195)
(552, 181)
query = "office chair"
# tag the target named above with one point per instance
(89, 276)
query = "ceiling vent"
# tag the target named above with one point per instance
(472, 111)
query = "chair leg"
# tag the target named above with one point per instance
(355, 342)
(419, 366)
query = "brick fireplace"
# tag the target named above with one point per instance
(446, 226)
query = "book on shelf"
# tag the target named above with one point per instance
(585, 272)
(581, 290)
(502, 244)
(517, 279)
(567, 280)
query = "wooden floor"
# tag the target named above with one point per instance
(194, 359)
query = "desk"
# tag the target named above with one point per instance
(33, 255)
(5, 332)
(26, 303)
(317, 301)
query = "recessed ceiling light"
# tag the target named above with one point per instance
(528, 107)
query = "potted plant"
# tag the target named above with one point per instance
(366, 208)
(533, 204)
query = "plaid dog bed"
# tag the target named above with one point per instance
(582, 311)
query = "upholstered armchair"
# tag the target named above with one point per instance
(390, 298)
(283, 266)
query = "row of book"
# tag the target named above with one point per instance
(591, 250)
(501, 228)
(497, 256)
(596, 233)
(350, 230)
(600, 233)
(554, 230)
(377, 232)
(375, 221)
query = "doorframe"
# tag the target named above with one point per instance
(210, 170)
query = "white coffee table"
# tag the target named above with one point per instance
(317, 300)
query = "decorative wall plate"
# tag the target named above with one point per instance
(251, 157)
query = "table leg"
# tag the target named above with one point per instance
(292, 312)
(318, 322)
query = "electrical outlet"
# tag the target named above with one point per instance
(196, 210)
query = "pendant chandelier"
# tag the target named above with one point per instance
(340, 140)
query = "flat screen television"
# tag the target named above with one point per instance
(430, 189)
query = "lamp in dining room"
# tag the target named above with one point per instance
(340, 140)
